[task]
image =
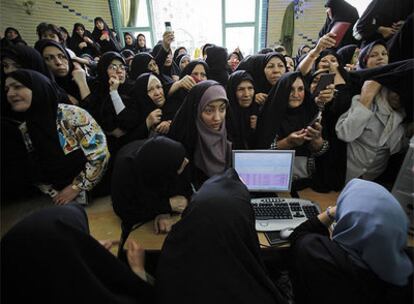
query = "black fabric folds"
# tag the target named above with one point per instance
(50, 257)
(145, 177)
(214, 251)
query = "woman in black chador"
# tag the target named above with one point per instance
(51, 258)
(212, 254)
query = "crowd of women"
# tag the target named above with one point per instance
(82, 116)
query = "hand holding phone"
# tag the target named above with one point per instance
(168, 27)
(339, 29)
(324, 81)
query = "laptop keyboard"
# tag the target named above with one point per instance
(276, 213)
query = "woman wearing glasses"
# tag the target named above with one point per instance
(110, 106)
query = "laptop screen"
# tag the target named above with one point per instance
(265, 170)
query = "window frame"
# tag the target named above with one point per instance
(257, 24)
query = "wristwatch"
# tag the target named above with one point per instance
(328, 213)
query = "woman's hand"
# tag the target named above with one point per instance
(153, 118)
(369, 90)
(325, 42)
(253, 122)
(87, 40)
(136, 258)
(260, 98)
(163, 223)
(187, 82)
(66, 195)
(163, 127)
(82, 45)
(78, 74)
(113, 83)
(167, 39)
(314, 135)
(297, 138)
(386, 32)
(325, 95)
(178, 203)
(108, 244)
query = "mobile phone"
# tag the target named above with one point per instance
(168, 27)
(339, 29)
(317, 118)
(324, 81)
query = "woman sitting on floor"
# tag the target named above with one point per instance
(65, 142)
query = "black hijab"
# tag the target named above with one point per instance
(67, 83)
(142, 49)
(255, 66)
(177, 50)
(168, 71)
(106, 46)
(143, 178)
(214, 250)
(101, 106)
(75, 40)
(332, 52)
(238, 118)
(56, 167)
(50, 257)
(27, 58)
(217, 62)
(342, 11)
(191, 65)
(346, 53)
(139, 65)
(364, 54)
(278, 119)
(140, 94)
(127, 46)
(17, 41)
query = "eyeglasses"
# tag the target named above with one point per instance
(114, 67)
(61, 57)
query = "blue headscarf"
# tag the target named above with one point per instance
(372, 226)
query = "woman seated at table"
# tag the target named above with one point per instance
(201, 127)
(65, 142)
(364, 261)
(148, 182)
(212, 254)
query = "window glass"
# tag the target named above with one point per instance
(242, 37)
(194, 22)
(134, 13)
(240, 11)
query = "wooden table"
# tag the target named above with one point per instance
(150, 241)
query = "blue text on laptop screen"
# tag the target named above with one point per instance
(264, 171)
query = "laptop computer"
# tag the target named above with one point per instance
(265, 170)
(271, 172)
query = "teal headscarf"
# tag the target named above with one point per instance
(372, 227)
